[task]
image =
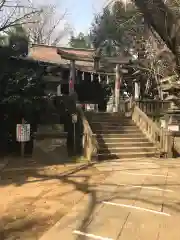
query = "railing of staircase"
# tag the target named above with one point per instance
(90, 144)
(163, 139)
(151, 107)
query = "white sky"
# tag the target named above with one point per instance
(80, 13)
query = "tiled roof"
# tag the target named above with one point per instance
(45, 54)
(79, 52)
(49, 54)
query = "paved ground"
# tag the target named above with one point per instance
(140, 199)
(36, 192)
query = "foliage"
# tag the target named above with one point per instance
(81, 41)
(164, 22)
(21, 96)
(117, 28)
(14, 42)
(174, 5)
(21, 83)
(121, 30)
(163, 18)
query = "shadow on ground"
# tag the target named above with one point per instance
(75, 176)
(121, 193)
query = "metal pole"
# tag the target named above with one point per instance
(22, 143)
(74, 127)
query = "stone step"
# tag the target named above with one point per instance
(124, 155)
(124, 144)
(107, 114)
(119, 135)
(111, 116)
(110, 125)
(116, 130)
(122, 139)
(112, 122)
(119, 150)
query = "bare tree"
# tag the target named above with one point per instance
(14, 13)
(49, 27)
(162, 19)
(165, 23)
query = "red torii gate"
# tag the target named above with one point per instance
(98, 62)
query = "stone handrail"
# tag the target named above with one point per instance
(163, 139)
(153, 106)
(90, 144)
(177, 144)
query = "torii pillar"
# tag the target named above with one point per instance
(72, 76)
(117, 87)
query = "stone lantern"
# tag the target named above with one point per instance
(172, 116)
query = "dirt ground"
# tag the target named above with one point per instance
(34, 196)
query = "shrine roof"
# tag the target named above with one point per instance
(62, 55)
(76, 54)
(50, 54)
(77, 51)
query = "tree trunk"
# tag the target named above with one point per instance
(164, 22)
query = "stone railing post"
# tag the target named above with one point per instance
(169, 143)
(90, 144)
(163, 139)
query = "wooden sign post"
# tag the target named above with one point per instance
(22, 143)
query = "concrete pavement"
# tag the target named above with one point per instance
(140, 199)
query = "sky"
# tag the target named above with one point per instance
(81, 12)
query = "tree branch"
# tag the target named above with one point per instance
(55, 26)
(2, 3)
(18, 21)
(159, 16)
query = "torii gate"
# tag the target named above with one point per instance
(94, 56)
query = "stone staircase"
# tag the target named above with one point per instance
(118, 137)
